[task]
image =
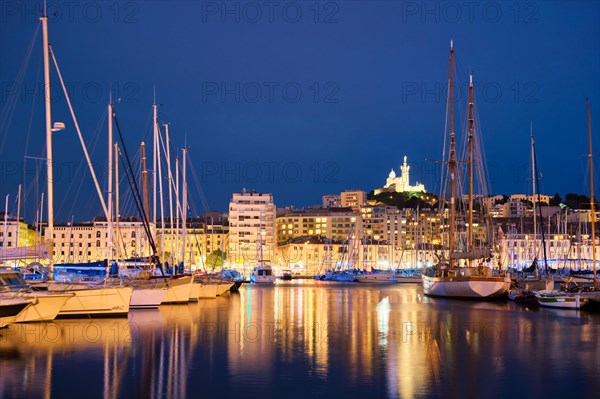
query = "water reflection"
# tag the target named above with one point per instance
(309, 338)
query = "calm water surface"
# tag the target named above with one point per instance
(309, 338)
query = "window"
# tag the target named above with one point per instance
(97, 234)
(133, 234)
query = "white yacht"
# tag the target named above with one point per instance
(384, 276)
(262, 274)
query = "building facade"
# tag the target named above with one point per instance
(251, 222)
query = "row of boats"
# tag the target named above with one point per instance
(21, 302)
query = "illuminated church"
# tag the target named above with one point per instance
(400, 184)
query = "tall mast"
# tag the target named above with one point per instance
(593, 205)
(539, 206)
(117, 199)
(178, 205)
(49, 176)
(184, 207)
(145, 181)
(5, 236)
(160, 189)
(154, 161)
(18, 215)
(533, 182)
(260, 243)
(168, 153)
(452, 160)
(471, 123)
(110, 181)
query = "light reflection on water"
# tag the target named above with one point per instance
(308, 337)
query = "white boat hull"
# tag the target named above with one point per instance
(147, 298)
(466, 287)
(10, 309)
(565, 301)
(224, 288)
(105, 302)
(409, 279)
(204, 291)
(44, 307)
(179, 290)
(376, 278)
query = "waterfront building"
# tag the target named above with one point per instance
(14, 233)
(251, 214)
(87, 241)
(332, 223)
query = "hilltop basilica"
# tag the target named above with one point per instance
(400, 184)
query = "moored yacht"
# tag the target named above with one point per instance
(262, 274)
(464, 282)
(453, 279)
(10, 308)
(44, 306)
(383, 276)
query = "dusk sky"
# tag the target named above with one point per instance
(300, 98)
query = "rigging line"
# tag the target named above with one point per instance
(144, 222)
(73, 200)
(134, 187)
(198, 186)
(5, 119)
(27, 137)
(87, 156)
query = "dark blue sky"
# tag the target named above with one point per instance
(303, 98)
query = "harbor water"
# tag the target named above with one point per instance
(307, 338)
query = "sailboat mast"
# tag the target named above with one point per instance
(178, 205)
(145, 181)
(160, 191)
(539, 206)
(154, 162)
(471, 123)
(592, 205)
(117, 199)
(18, 216)
(168, 154)
(452, 160)
(533, 184)
(110, 182)
(184, 206)
(49, 175)
(5, 236)
(260, 244)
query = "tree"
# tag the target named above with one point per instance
(556, 200)
(215, 259)
(576, 201)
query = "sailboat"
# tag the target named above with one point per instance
(523, 290)
(87, 300)
(575, 300)
(262, 273)
(450, 279)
